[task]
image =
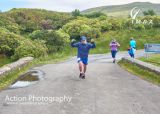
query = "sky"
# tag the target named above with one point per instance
(63, 5)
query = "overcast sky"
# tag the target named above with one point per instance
(63, 5)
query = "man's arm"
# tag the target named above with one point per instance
(73, 44)
(110, 45)
(118, 44)
(92, 44)
(135, 43)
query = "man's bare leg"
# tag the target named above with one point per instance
(85, 68)
(81, 67)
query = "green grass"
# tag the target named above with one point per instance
(153, 59)
(123, 37)
(4, 60)
(142, 73)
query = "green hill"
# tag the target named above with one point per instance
(124, 10)
(28, 20)
(23, 30)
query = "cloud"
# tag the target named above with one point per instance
(70, 5)
(62, 5)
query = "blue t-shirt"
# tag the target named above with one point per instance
(133, 44)
(83, 49)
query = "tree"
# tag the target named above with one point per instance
(149, 12)
(95, 15)
(76, 13)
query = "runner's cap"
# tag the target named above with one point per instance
(83, 38)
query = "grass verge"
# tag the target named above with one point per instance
(142, 73)
(153, 59)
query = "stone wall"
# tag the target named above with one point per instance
(15, 65)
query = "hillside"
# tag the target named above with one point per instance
(124, 10)
(38, 32)
(23, 30)
(28, 20)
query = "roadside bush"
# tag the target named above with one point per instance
(63, 35)
(90, 32)
(8, 42)
(27, 48)
(55, 40)
(16, 46)
(83, 26)
(74, 28)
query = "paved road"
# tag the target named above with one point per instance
(108, 89)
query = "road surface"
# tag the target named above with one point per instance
(107, 89)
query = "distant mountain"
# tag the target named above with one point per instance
(124, 10)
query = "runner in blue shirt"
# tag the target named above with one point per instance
(82, 56)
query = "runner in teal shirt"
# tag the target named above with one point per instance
(133, 43)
